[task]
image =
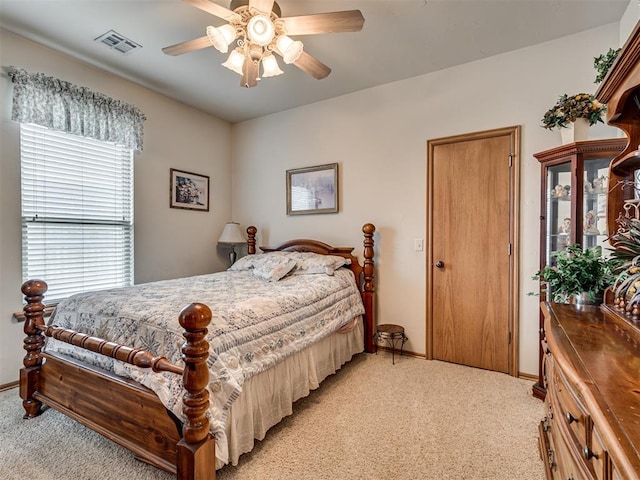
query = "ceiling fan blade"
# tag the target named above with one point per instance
(312, 66)
(188, 46)
(334, 22)
(215, 9)
(262, 5)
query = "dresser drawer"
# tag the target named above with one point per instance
(567, 466)
(570, 408)
(595, 453)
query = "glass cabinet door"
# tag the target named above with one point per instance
(558, 215)
(594, 205)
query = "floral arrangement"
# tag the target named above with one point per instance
(570, 108)
(626, 242)
(602, 63)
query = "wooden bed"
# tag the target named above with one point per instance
(130, 414)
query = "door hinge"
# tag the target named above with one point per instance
(509, 249)
(509, 339)
(511, 160)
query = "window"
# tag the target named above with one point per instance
(77, 212)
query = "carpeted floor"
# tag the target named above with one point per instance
(373, 420)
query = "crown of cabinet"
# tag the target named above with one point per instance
(620, 90)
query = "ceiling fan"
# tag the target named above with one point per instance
(261, 32)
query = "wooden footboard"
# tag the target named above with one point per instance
(122, 410)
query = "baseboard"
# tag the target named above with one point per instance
(523, 375)
(9, 386)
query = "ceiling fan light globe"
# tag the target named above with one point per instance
(221, 37)
(260, 30)
(290, 49)
(235, 62)
(270, 67)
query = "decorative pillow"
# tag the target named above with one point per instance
(309, 263)
(243, 263)
(270, 265)
(273, 267)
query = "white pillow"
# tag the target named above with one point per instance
(266, 266)
(273, 267)
(243, 263)
(270, 265)
(309, 263)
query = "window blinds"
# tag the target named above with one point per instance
(77, 212)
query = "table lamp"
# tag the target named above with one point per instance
(232, 235)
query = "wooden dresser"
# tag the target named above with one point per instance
(592, 372)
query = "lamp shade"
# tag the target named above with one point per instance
(221, 37)
(235, 62)
(290, 49)
(232, 234)
(260, 30)
(270, 66)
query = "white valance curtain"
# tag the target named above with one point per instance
(60, 105)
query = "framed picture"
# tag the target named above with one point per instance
(312, 190)
(189, 191)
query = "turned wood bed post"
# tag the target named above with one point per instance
(33, 291)
(196, 449)
(251, 240)
(368, 289)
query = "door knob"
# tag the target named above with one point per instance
(440, 264)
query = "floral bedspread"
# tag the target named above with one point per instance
(255, 324)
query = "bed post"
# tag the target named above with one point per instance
(33, 291)
(368, 294)
(196, 449)
(251, 240)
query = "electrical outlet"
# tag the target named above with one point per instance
(419, 244)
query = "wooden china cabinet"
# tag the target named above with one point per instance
(591, 370)
(573, 204)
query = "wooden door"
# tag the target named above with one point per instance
(471, 272)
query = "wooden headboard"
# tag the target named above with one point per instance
(364, 273)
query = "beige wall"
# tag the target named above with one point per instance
(378, 137)
(168, 242)
(628, 21)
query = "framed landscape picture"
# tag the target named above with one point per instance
(312, 190)
(189, 190)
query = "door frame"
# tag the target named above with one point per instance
(514, 231)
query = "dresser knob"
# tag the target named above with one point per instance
(570, 418)
(587, 453)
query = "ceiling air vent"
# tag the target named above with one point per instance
(118, 42)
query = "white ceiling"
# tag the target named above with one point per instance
(400, 39)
